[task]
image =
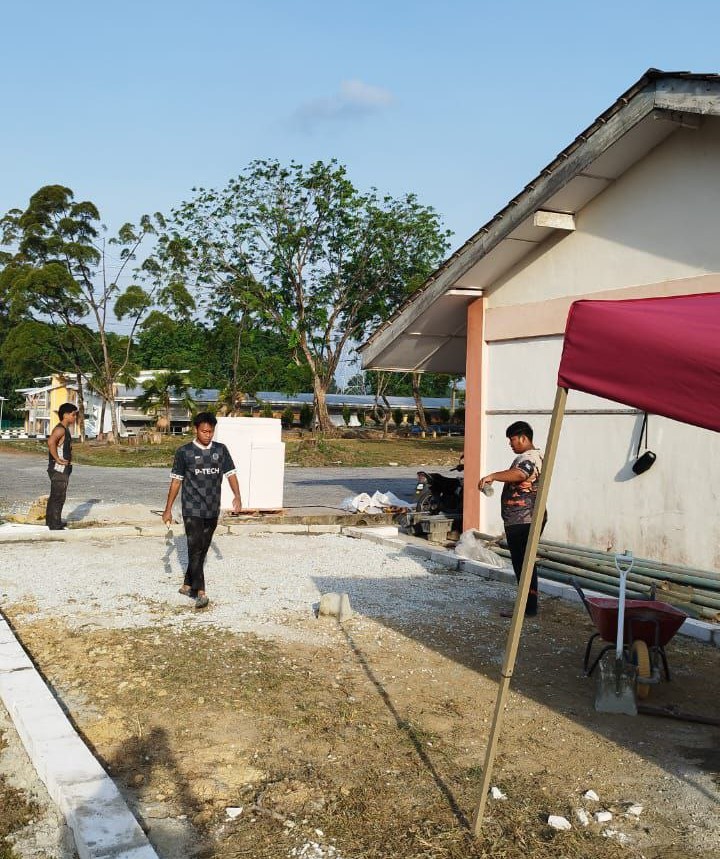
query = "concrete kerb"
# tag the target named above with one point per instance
(223, 529)
(103, 826)
(700, 630)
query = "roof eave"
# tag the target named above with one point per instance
(652, 92)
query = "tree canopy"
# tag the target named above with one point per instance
(56, 270)
(303, 251)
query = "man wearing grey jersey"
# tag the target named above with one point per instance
(517, 502)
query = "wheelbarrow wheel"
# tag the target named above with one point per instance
(640, 656)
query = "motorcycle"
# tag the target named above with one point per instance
(439, 494)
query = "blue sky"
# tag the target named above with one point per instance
(133, 104)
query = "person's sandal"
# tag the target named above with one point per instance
(187, 591)
(202, 602)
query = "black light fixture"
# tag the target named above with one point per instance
(646, 460)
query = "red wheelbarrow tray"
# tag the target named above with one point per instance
(643, 618)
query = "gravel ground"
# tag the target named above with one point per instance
(256, 584)
(260, 584)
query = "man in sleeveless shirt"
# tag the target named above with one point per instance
(199, 467)
(517, 502)
(59, 465)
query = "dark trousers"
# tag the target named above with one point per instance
(199, 533)
(517, 539)
(58, 491)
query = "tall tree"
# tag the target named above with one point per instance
(304, 251)
(58, 269)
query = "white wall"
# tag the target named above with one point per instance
(669, 513)
(659, 221)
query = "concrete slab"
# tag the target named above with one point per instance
(102, 824)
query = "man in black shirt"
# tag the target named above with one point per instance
(59, 465)
(199, 468)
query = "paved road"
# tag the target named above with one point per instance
(23, 477)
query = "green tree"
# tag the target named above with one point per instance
(287, 418)
(306, 416)
(31, 348)
(159, 392)
(304, 251)
(57, 269)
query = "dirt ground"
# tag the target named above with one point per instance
(369, 740)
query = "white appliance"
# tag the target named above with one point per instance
(258, 452)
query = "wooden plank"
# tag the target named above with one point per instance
(554, 220)
(516, 624)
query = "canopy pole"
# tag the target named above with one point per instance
(518, 617)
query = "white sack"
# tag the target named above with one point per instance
(471, 547)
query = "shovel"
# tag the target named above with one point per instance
(616, 684)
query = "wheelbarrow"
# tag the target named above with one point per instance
(648, 626)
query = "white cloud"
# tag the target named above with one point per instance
(354, 100)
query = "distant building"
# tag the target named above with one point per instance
(43, 399)
(50, 392)
(357, 403)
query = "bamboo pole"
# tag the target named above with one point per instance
(513, 641)
(565, 573)
(642, 562)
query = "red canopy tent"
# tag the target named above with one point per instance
(660, 355)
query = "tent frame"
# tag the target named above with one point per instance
(513, 641)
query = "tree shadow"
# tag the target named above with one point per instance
(148, 756)
(406, 728)
(465, 630)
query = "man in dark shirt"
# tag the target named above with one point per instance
(199, 467)
(517, 502)
(59, 445)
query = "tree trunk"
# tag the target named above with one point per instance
(321, 410)
(101, 428)
(81, 407)
(418, 401)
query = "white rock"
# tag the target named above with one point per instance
(635, 810)
(335, 605)
(602, 816)
(582, 816)
(620, 837)
(496, 793)
(233, 811)
(590, 794)
(557, 822)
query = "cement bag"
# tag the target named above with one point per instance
(471, 547)
(389, 499)
(358, 503)
(379, 501)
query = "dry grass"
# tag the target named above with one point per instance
(204, 719)
(15, 812)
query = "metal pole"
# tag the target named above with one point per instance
(2, 403)
(513, 641)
